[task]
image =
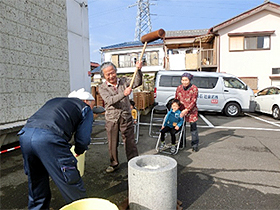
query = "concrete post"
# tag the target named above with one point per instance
(152, 183)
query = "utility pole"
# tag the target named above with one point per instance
(143, 20)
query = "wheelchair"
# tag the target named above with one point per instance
(180, 143)
(157, 116)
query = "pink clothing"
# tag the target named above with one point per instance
(188, 99)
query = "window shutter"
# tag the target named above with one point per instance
(115, 60)
(236, 43)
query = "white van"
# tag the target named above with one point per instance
(217, 92)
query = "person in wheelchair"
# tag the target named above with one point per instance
(172, 123)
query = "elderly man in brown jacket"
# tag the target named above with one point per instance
(115, 93)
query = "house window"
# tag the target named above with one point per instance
(124, 61)
(249, 41)
(115, 60)
(129, 59)
(275, 70)
(151, 58)
(257, 42)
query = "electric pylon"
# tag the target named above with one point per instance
(143, 20)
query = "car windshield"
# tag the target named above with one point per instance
(268, 91)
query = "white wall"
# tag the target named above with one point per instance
(78, 44)
(177, 61)
(257, 63)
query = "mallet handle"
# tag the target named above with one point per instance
(140, 59)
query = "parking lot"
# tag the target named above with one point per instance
(237, 166)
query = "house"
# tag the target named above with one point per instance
(190, 50)
(248, 45)
(159, 55)
(178, 50)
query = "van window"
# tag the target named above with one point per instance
(169, 81)
(200, 82)
(205, 82)
(231, 82)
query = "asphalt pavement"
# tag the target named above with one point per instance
(233, 169)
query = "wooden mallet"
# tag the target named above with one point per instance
(150, 37)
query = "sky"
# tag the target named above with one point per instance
(114, 21)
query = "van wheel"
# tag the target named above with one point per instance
(232, 109)
(276, 112)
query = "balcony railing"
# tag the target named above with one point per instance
(207, 58)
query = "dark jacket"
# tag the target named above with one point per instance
(64, 117)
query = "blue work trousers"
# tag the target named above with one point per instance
(46, 154)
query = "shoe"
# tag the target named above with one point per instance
(162, 145)
(173, 149)
(195, 148)
(111, 169)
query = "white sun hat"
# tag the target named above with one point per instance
(81, 94)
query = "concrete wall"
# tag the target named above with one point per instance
(256, 63)
(34, 59)
(44, 53)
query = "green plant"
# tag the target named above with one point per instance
(148, 82)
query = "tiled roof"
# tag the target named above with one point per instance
(131, 44)
(169, 34)
(183, 33)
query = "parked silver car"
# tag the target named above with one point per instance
(268, 101)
